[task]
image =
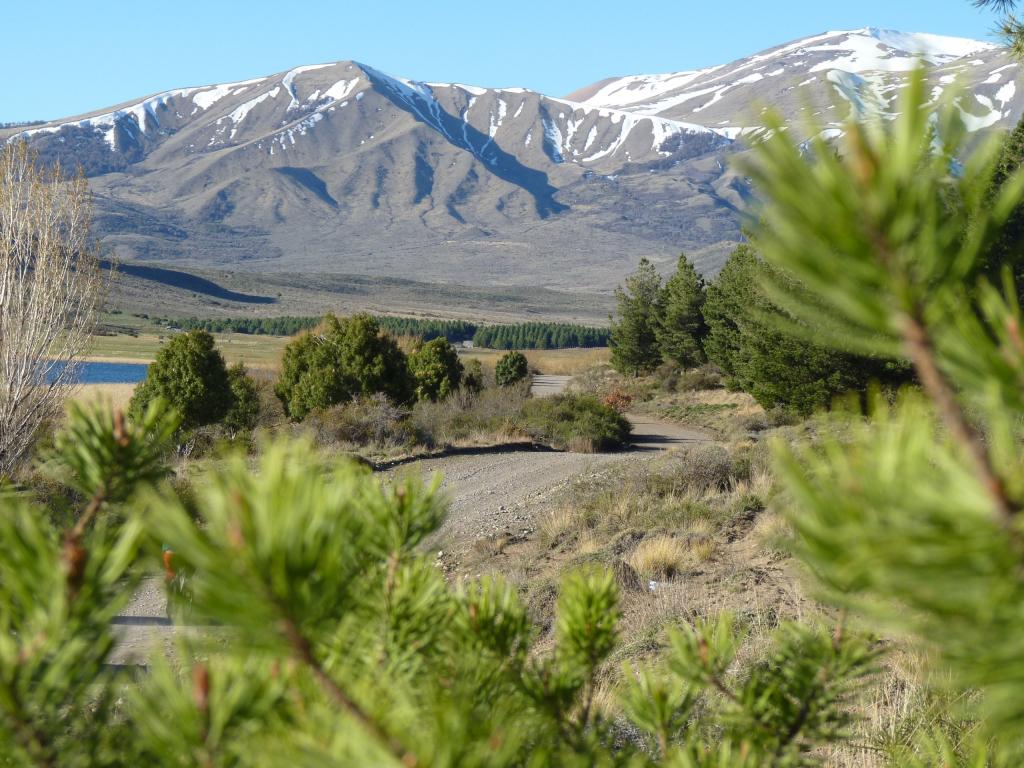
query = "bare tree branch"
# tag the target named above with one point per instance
(50, 292)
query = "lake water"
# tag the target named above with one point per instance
(111, 373)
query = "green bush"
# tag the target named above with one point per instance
(576, 422)
(191, 376)
(340, 360)
(511, 368)
(245, 407)
(473, 376)
(436, 369)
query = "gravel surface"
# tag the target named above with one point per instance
(490, 495)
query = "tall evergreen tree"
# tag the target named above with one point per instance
(1008, 248)
(190, 374)
(681, 328)
(749, 340)
(726, 303)
(634, 338)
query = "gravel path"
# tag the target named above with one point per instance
(490, 495)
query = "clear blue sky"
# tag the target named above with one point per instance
(63, 57)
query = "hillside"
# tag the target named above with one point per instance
(340, 169)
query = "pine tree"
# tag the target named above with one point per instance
(634, 331)
(511, 369)
(339, 361)
(912, 519)
(681, 328)
(1008, 247)
(190, 374)
(436, 369)
(728, 300)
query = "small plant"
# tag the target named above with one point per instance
(660, 557)
(618, 400)
(511, 369)
(706, 468)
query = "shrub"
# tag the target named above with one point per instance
(245, 407)
(618, 400)
(704, 377)
(191, 376)
(436, 369)
(706, 468)
(492, 414)
(372, 420)
(511, 368)
(339, 361)
(577, 422)
(473, 376)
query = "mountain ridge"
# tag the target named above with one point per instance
(341, 168)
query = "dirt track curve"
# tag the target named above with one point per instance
(491, 494)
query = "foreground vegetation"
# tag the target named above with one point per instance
(330, 635)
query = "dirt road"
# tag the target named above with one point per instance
(490, 495)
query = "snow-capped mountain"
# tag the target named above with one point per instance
(342, 168)
(827, 76)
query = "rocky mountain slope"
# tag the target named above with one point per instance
(340, 168)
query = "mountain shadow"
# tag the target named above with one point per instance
(185, 281)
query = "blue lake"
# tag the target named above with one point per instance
(111, 373)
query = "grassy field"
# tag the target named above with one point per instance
(265, 351)
(114, 395)
(557, 362)
(254, 351)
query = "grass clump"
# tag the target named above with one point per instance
(660, 557)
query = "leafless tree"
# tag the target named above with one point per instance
(51, 287)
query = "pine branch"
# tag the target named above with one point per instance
(303, 651)
(921, 351)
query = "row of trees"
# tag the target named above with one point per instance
(515, 336)
(343, 359)
(540, 336)
(731, 323)
(657, 323)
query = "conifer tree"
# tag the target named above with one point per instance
(340, 360)
(634, 330)
(190, 374)
(436, 369)
(681, 328)
(511, 369)
(1007, 250)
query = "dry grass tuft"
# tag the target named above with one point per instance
(702, 550)
(659, 557)
(554, 526)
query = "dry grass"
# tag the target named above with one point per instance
(255, 351)
(116, 396)
(555, 362)
(659, 558)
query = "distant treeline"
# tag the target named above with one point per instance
(518, 336)
(539, 336)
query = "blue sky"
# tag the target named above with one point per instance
(67, 56)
